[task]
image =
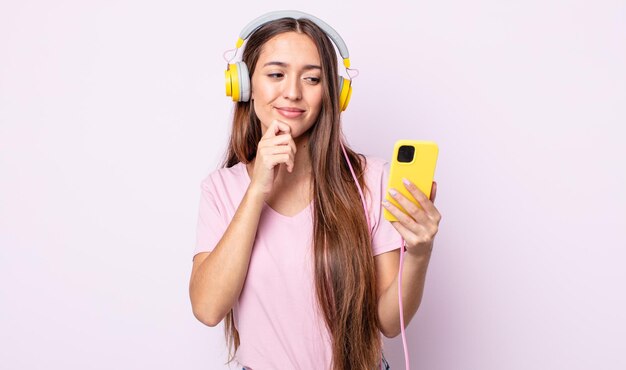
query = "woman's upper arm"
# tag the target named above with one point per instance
(386, 265)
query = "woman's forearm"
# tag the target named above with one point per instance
(413, 279)
(217, 282)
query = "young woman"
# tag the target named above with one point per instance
(284, 251)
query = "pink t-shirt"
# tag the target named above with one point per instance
(277, 313)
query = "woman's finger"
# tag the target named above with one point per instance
(292, 144)
(400, 216)
(282, 139)
(422, 199)
(414, 235)
(412, 227)
(433, 192)
(406, 234)
(410, 237)
(275, 128)
(409, 206)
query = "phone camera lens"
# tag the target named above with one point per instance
(406, 153)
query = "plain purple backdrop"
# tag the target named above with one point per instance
(111, 113)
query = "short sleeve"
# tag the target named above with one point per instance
(211, 222)
(385, 237)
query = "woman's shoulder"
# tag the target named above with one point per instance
(376, 171)
(226, 177)
(375, 165)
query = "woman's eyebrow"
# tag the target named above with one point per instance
(283, 64)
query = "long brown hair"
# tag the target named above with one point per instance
(343, 262)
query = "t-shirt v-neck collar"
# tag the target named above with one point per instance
(304, 212)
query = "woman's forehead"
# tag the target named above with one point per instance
(290, 46)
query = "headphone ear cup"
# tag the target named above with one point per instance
(345, 92)
(238, 82)
(232, 81)
(244, 82)
(228, 80)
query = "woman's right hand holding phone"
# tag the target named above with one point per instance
(276, 147)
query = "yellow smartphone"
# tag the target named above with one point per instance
(414, 160)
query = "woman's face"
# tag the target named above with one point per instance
(286, 82)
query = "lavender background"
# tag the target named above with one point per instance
(112, 112)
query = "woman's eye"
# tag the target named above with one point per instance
(275, 75)
(313, 80)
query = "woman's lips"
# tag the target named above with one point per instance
(290, 112)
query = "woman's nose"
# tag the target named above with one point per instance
(292, 89)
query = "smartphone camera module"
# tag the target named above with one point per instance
(406, 153)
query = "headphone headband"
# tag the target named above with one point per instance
(258, 22)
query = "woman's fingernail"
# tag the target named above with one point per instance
(393, 192)
(385, 202)
(405, 181)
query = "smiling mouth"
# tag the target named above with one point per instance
(290, 112)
